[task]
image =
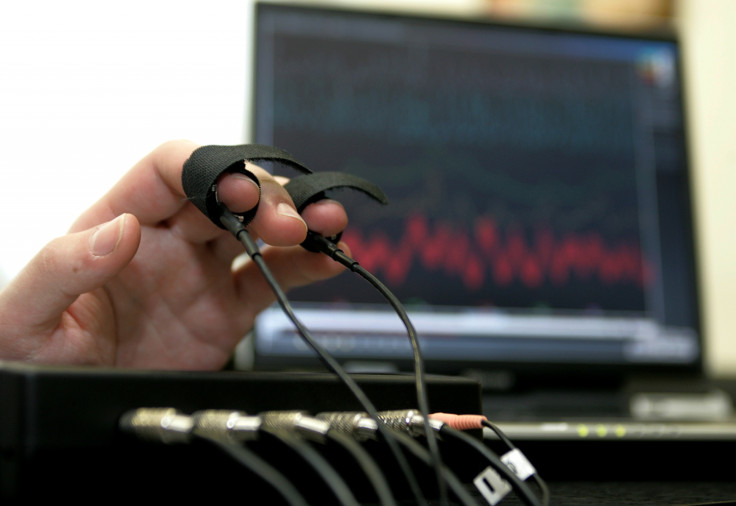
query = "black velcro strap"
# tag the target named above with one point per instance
(207, 163)
(311, 187)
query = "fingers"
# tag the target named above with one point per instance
(277, 222)
(326, 217)
(67, 267)
(293, 267)
(152, 191)
(238, 192)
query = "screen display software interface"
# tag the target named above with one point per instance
(537, 180)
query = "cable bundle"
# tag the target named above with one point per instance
(410, 432)
(298, 450)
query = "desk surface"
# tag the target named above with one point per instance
(661, 493)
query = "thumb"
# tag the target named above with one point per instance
(67, 267)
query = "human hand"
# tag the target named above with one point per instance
(144, 279)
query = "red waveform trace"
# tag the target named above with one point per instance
(485, 254)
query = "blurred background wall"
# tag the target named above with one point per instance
(87, 88)
(708, 31)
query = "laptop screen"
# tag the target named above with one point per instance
(539, 214)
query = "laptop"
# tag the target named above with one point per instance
(539, 228)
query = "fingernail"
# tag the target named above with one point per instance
(285, 209)
(244, 177)
(106, 239)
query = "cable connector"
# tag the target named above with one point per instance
(409, 420)
(519, 464)
(356, 424)
(328, 245)
(492, 486)
(460, 422)
(164, 425)
(297, 421)
(236, 227)
(226, 426)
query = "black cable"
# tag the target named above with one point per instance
(368, 464)
(320, 431)
(525, 493)
(361, 427)
(323, 468)
(260, 468)
(544, 489)
(235, 226)
(168, 425)
(320, 243)
(448, 475)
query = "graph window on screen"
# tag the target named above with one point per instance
(537, 181)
